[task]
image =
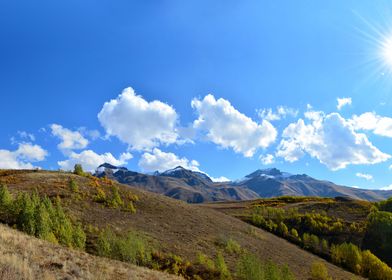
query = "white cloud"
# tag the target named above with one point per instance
(329, 138)
(364, 176)
(70, 140)
(267, 159)
(26, 135)
(22, 157)
(162, 161)
(343, 102)
(220, 179)
(91, 160)
(281, 113)
(139, 123)
(228, 128)
(387, 188)
(370, 121)
(390, 167)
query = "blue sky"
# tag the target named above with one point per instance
(199, 81)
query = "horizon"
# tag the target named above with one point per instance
(225, 88)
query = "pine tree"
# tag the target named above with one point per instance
(26, 219)
(42, 222)
(79, 237)
(5, 202)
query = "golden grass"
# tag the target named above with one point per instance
(24, 257)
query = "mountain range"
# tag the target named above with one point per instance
(197, 187)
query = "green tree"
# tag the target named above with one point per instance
(79, 237)
(5, 202)
(78, 170)
(26, 219)
(43, 223)
(319, 271)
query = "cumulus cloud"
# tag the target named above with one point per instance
(370, 121)
(22, 157)
(91, 160)
(365, 176)
(329, 138)
(70, 140)
(228, 128)
(162, 161)
(280, 113)
(387, 188)
(141, 124)
(343, 102)
(267, 159)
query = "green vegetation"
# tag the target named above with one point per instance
(39, 217)
(319, 271)
(78, 170)
(251, 268)
(314, 226)
(361, 262)
(73, 186)
(378, 237)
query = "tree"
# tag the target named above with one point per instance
(5, 202)
(319, 271)
(79, 237)
(78, 170)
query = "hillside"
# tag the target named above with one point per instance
(172, 226)
(28, 258)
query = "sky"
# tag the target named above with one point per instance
(222, 87)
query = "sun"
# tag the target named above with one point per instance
(386, 51)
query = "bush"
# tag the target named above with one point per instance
(232, 246)
(222, 267)
(249, 267)
(206, 261)
(73, 186)
(319, 271)
(130, 248)
(374, 268)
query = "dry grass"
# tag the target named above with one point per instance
(24, 257)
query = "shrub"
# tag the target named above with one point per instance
(206, 261)
(222, 267)
(374, 268)
(100, 196)
(130, 248)
(319, 271)
(249, 267)
(130, 207)
(232, 246)
(73, 186)
(347, 255)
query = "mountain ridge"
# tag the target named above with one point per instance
(197, 187)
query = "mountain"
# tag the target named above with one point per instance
(272, 183)
(179, 183)
(197, 187)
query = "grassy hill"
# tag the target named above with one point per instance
(24, 257)
(168, 225)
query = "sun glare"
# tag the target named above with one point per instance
(386, 51)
